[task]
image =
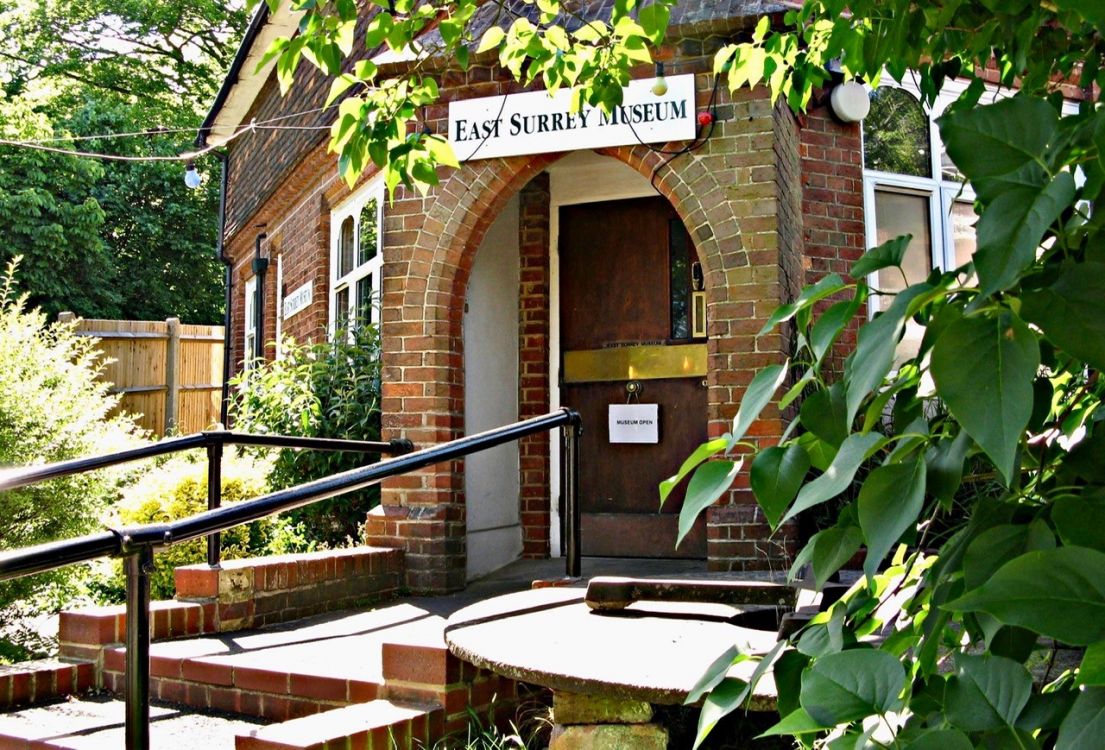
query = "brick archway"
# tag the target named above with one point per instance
(731, 203)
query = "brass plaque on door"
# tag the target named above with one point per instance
(635, 363)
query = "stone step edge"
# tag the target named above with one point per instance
(274, 695)
(31, 682)
(377, 725)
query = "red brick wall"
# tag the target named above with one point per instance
(533, 364)
(770, 203)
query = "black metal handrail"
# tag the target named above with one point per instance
(213, 441)
(137, 544)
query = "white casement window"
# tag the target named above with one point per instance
(356, 258)
(911, 187)
(249, 342)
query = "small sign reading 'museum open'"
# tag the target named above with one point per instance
(534, 122)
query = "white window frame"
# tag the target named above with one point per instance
(941, 193)
(372, 267)
(249, 330)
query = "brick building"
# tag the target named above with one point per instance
(532, 280)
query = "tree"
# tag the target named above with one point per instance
(173, 51)
(976, 465)
(89, 68)
(53, 220)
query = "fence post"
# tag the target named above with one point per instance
(66, 317)
(214, 495)
(172, 375)
(139, 565)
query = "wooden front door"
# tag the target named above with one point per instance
(626, 319)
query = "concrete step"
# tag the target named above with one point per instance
(279, 673)
(97, 723)
(376, 725)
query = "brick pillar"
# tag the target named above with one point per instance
(533, 364)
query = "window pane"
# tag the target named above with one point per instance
(948, 170)
(364, 299)
(963, 231)
(896, 134)
(369, 232)
(345, 247)
(679, 255)
(341, 308)
(897, 214)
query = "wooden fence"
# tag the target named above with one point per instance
(169, 374)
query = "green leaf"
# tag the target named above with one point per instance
(1091, 10)
(1080, 520)
(886, 255)
(830, 549)
(654, 20)
(889, 503)
(797, 722)
(1092, 669)
(875, 345)
(983, 368)
(775, 476)
(1012, 228)
(945, 467)
(714, 674)
(787, 673)
(991, 549)
(831, 323)
(1069, 311)
(840, 473)
(1058, 593)
(824, 413)
(756, 397)
(987, 692)
(941, 739)
(1085, 724)
(722, 701)
(852, 685)
(1000, 138)
(701, 453)
(826, 287)
(491, 39)
(710, 481)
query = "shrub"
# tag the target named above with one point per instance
(52, 408)
(178, 489)
(330, 390)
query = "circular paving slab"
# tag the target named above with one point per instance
(651, 652)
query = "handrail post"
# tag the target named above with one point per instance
(139, 565)
(214, 495)
(570, 462)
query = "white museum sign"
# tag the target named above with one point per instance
(634, 423)
(535, 123)
(298, 300)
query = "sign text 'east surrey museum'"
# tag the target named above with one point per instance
(535, 123)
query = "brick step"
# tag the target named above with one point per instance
(376, 725)
(276, 693)
(44, 680)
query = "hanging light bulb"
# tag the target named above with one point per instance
(192, 178)
(660, 85)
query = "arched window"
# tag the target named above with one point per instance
(896, 135)
(910, 187)
(357, 259)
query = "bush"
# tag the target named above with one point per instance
(178, 489)
(330, 390)
(52, 408)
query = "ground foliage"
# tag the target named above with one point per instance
(329, 389)
(52, 408)
(929, 648)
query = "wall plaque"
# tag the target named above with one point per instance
(536, 123)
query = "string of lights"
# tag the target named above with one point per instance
(43, 144)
